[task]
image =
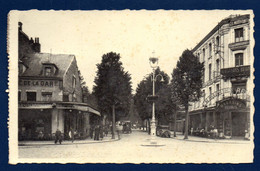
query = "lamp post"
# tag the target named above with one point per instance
(154, 65)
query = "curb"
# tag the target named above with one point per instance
(188, 140)
(75, 143)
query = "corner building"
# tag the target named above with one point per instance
(227, 81)
(49, 93)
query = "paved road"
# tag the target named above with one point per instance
(130, 149)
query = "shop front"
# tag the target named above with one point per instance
(40, 120)
(233, 117)
(230, 116)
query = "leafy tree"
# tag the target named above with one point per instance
(144, 89)
(112, 86)
(187, 82)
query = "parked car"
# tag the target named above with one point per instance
(163, 131)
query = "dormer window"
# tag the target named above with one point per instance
(21, 68)
(48, 71)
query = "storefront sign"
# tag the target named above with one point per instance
(231, 104)
(236, 71)
(42, 83)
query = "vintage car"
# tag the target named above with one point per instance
(163, 131)
(127, 127)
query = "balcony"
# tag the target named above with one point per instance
(240, 45)
(224, 93)
(240, 71)
(216, 78)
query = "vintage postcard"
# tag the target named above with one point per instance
(130, 86)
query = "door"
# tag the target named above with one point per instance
(238, 123)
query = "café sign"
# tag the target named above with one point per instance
(231, 104)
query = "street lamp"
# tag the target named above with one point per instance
(154, 65)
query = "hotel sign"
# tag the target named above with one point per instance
(236, 71)
(231, 104)
(39, 83)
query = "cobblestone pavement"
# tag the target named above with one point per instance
(131, 149)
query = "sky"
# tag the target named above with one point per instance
(135, 35)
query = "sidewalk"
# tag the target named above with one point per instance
(67, 142)
(179, 136)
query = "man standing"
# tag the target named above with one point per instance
(96, 132)
(58, 136)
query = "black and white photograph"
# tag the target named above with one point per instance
(131, 86)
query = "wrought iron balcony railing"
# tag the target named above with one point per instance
(210, 101)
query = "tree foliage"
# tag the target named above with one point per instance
(112, 86)
(187, 81)
(187, 78)
(163, 106)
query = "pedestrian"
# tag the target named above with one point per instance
(58, 136)
(71, 134)
(91, 132)
(101, 131)
(96, 136)
(106, 130)
(118, 130)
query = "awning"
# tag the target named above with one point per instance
(58, 105)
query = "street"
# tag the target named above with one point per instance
(130, 149)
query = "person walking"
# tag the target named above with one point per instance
(58, 137)
(71, 134)
(96, 137)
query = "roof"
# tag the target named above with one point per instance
(217, 27)
(35, 63)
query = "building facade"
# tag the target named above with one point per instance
(227, 81)
(49, 93)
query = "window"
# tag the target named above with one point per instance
(217, 41)
(31, 96)
(203, 76)
(239, 88)
(217, 66)
(217, 88)
(239, 59)
(46, 96)
(73, 82)
(209, 71)
(203, 94)
(47, 71)
(210, 92)
(66, 98)
(19, 96)
(21, 68)
(210, 50)
(203, 53)
(239, 35)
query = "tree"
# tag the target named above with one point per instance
(112, 86)
(144, 89)
(187, 82)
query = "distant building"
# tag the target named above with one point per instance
(49, 93)
(227, 80)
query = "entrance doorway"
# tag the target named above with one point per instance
(238, 123)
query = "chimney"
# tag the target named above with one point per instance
(37, 45)
(20, 25)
